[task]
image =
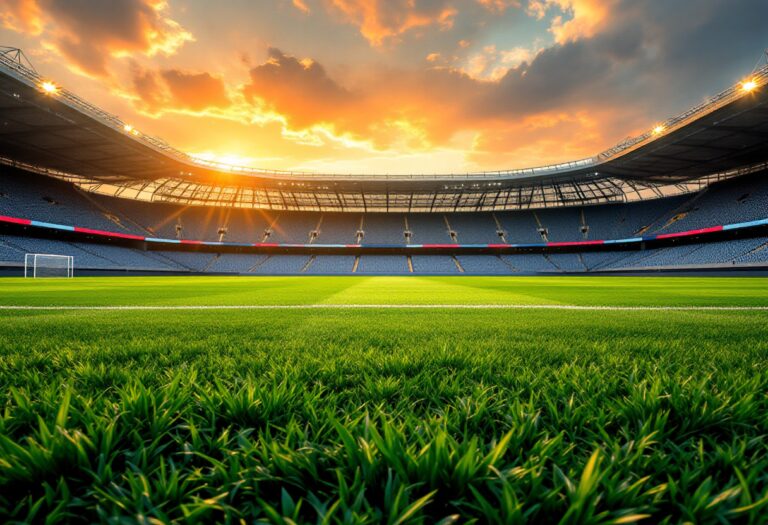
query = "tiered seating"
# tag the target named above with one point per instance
(561, 224)
(604, 260)
(728, 252)
(282, 265)
(520, 226)
(294, 227)
(192, 261)
(248, 225)
(474, 228)
(483, 265)
(428, 229)
(567, 262)
(383, 264)
(31, 196)
(10, 254)
(434, 264)
(41, 198)
(529, 263)
(740, 200)
(338, 228)
(757, 254)
(88, 256)
(382, 228)
(235, 263)
(144, 218)
(331, 264)
(621, 221)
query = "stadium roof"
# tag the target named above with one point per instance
(50, 130)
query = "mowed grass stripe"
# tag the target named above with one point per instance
(395, 307)
(221, 291)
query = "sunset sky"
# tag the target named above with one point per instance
(391, 86)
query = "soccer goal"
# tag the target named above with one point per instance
(47, 265)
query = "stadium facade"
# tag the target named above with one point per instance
(690, 194)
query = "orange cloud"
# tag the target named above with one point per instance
(380, 20)
(499, 6)
(491, 63)
(174, 90)
(301, 5)
(90, 33)
(22, 16)
(196, 91)
(299, 89)
(544, 138)
(512, 119)
(148, 88)
(583, 17)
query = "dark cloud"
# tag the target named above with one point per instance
(649, 56)
(148, 87)
(300, 90)
(89, 33)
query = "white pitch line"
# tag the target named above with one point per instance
(394, 306)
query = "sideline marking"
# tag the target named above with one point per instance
(395, 306)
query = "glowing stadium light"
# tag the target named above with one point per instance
(128, 128)
(748, 86)
(658, 130)
(49, 88)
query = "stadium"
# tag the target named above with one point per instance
(184, 340)
(689, 194)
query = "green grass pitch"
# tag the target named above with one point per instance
(384, 415)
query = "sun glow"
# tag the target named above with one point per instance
(49, 88)
(229, 159)
(749, 85)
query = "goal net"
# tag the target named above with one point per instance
(47, 265)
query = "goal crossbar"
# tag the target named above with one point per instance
(38, 265)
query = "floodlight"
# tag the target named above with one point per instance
(748, 86)
(49, 88)
(128, 128)
(658, 129)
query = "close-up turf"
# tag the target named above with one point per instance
(384, 400)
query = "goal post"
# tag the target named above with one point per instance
(38, 265)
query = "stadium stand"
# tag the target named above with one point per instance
(92, 256)
(484, 265)
(30, 196)
(383, 264)
(338, 228)
(434, 264)
(50, 200)
(473, 228)
(736, 201)
(381, 228)
(429, 228)
(331, 265)
(529, 263)
(281, 265)
(520, 227)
